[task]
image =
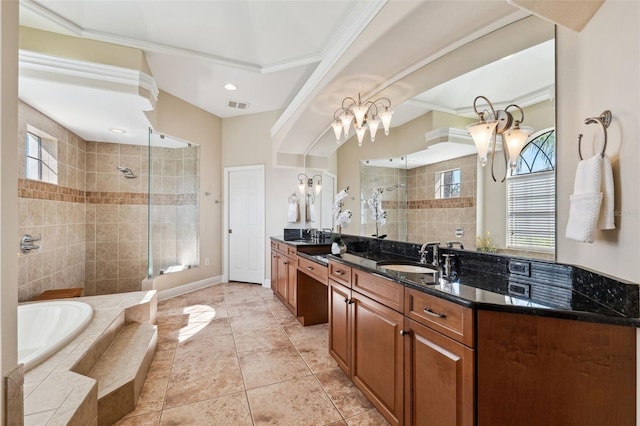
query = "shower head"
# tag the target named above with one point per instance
(396, 186)
(127, 172)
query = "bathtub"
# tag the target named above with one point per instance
(45, 327)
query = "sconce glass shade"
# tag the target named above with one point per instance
(318, 186)
(301, 186)
(373, 127)
(360, 132)
(482, 132)
(385, 117)
(337, 129)
(515, 139)
(346, 119)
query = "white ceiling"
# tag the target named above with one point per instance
(299, 56)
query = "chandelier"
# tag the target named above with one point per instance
(498, 122)
(368, 115)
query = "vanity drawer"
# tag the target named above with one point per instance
(340, 273)
(274, 245)
(319, 272)
(382, 290)
(446, 317)
(290, 251)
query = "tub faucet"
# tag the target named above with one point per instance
(423, 252)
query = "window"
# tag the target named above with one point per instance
(42, 163)
(531, 206)
(448, 184)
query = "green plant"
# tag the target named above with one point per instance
(485, 244)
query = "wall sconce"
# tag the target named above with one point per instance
(368, 115)
(498, 122)
(305, 180)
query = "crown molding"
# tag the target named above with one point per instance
(90, 74)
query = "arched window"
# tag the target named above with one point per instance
(531, 196)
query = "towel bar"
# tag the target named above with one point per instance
(603, 121)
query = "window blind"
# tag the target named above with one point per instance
(531, 218)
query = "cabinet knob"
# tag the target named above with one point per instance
(351, 301)
(310, 268)
(404, 332)
(338, 272)
(285, 263)
(346, 300)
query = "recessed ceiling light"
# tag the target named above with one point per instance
(116, 130)
(230, 87)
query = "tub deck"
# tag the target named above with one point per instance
(59, 391)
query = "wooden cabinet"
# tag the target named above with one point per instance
(284, 269)
(439, 361)
(299, 283)
(339, 337)
(365, 339)
(535, 370)
(439, 377)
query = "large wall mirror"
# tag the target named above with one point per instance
(426, 170)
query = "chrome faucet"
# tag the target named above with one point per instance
(423, 252)
(26, 243)
(450, 244)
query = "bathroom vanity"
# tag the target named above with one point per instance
(299, 278)
(501, 341)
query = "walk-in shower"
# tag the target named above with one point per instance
(173, 204)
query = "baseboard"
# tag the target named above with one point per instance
(188, 288)
(267, 283)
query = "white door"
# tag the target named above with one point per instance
(246, 224)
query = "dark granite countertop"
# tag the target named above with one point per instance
(485, 281)
(491, 292)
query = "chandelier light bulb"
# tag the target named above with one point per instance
(385, 117)
(347, 119)
(337, 129)
(359, 112)
(374, 123)
(360, 132)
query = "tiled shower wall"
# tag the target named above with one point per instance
(54, 213)
(431, 219)
(393, 202)
(92, 224)
(174, 207)
(116, 220)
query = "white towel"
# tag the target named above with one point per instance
(292, 213)
(587, 211)
(310, 209)
(607, 217)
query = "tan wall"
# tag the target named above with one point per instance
(10, 404)
(247, 141)
(598, 69)
(177, 118)
(82, 49)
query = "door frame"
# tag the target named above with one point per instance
(225, 218)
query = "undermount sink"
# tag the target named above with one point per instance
(410, 267)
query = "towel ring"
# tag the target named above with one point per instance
(293, 198)
(603, 121)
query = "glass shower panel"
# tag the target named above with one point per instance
(388, 178)
(173, 204)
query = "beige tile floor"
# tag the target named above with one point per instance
(232, 354)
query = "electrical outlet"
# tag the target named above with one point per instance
(207, 261)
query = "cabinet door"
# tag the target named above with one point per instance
(292, 286)
(274, 271)
(339, 340)
(377, 355)
(439, 376)
(283, 276)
